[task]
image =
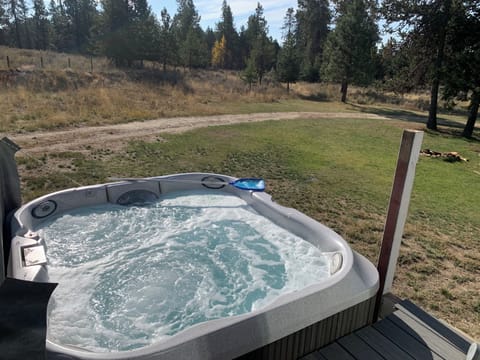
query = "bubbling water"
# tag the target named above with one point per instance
(131, 276)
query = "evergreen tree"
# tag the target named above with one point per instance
(14, 14)
(3, 24)
(226, 28)
(61, 38)
(193, 51)
(288, 67)
(350, 48)
(168, 47)
(313, 19)
(144, 30)
(261, 48)
(210, 38)
(462, 73)
(41, 25)
(425, 24)
(400, 72)
(23, 8)
(80, 15)
(249, 74)
(118, 45)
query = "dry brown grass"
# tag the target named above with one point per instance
(45, 99)
(24, 59)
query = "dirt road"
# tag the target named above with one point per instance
(115, 136)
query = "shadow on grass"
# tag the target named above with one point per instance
(156, 76)
(318, 97)
(446, 126)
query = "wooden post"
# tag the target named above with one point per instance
(397, 211)
(69, 65)
(8, 62)
(91, 64)
(41, 61)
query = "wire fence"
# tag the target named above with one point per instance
(28, 60)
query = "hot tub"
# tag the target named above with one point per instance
(291, 325)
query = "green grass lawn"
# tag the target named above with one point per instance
(340, 172)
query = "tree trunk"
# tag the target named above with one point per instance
(472, 116)
(344, 90)
(432, 112)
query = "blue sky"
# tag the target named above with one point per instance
(210, 12)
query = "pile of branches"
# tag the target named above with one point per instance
(450, 156)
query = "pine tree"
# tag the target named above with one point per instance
(41, 25)
(261, 48)
(61, 37)
(350, 48)
(80, 15)
(462, 73)
(426, 26)
(400, 71)
(288, 66)
(249, 74)
(313, 19)
(168, 47)
(226, 28)
(193, 51)
(3, 24)
(14, 14)
(23, 8)
(144, 30)
(117, 44)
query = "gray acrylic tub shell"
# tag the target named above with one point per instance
(354, 282)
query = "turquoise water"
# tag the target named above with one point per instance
(131, 276)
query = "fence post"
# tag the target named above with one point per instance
(8, 62)
(41, 61)
(69, 65)
(397, 211)
(91, 64)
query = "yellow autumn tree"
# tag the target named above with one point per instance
(219, 53)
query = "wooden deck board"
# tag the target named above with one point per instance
(415, 348)
(409, 333)
(362, 350)
(335, 352)
(422, 333)
(448, 334)
(381, 344)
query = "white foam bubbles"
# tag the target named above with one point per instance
(130, 276)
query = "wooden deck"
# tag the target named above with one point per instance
(408, 333)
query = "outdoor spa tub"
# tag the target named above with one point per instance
(313, 291)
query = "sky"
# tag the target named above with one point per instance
(210, 12)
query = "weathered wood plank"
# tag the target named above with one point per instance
(409, 344)
(335, 352)
(448, 334)
(425, 335)
(382, 345)
(359, 348)
(408, 334)
(314, 356)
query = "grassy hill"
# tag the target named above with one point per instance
(65, 92)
